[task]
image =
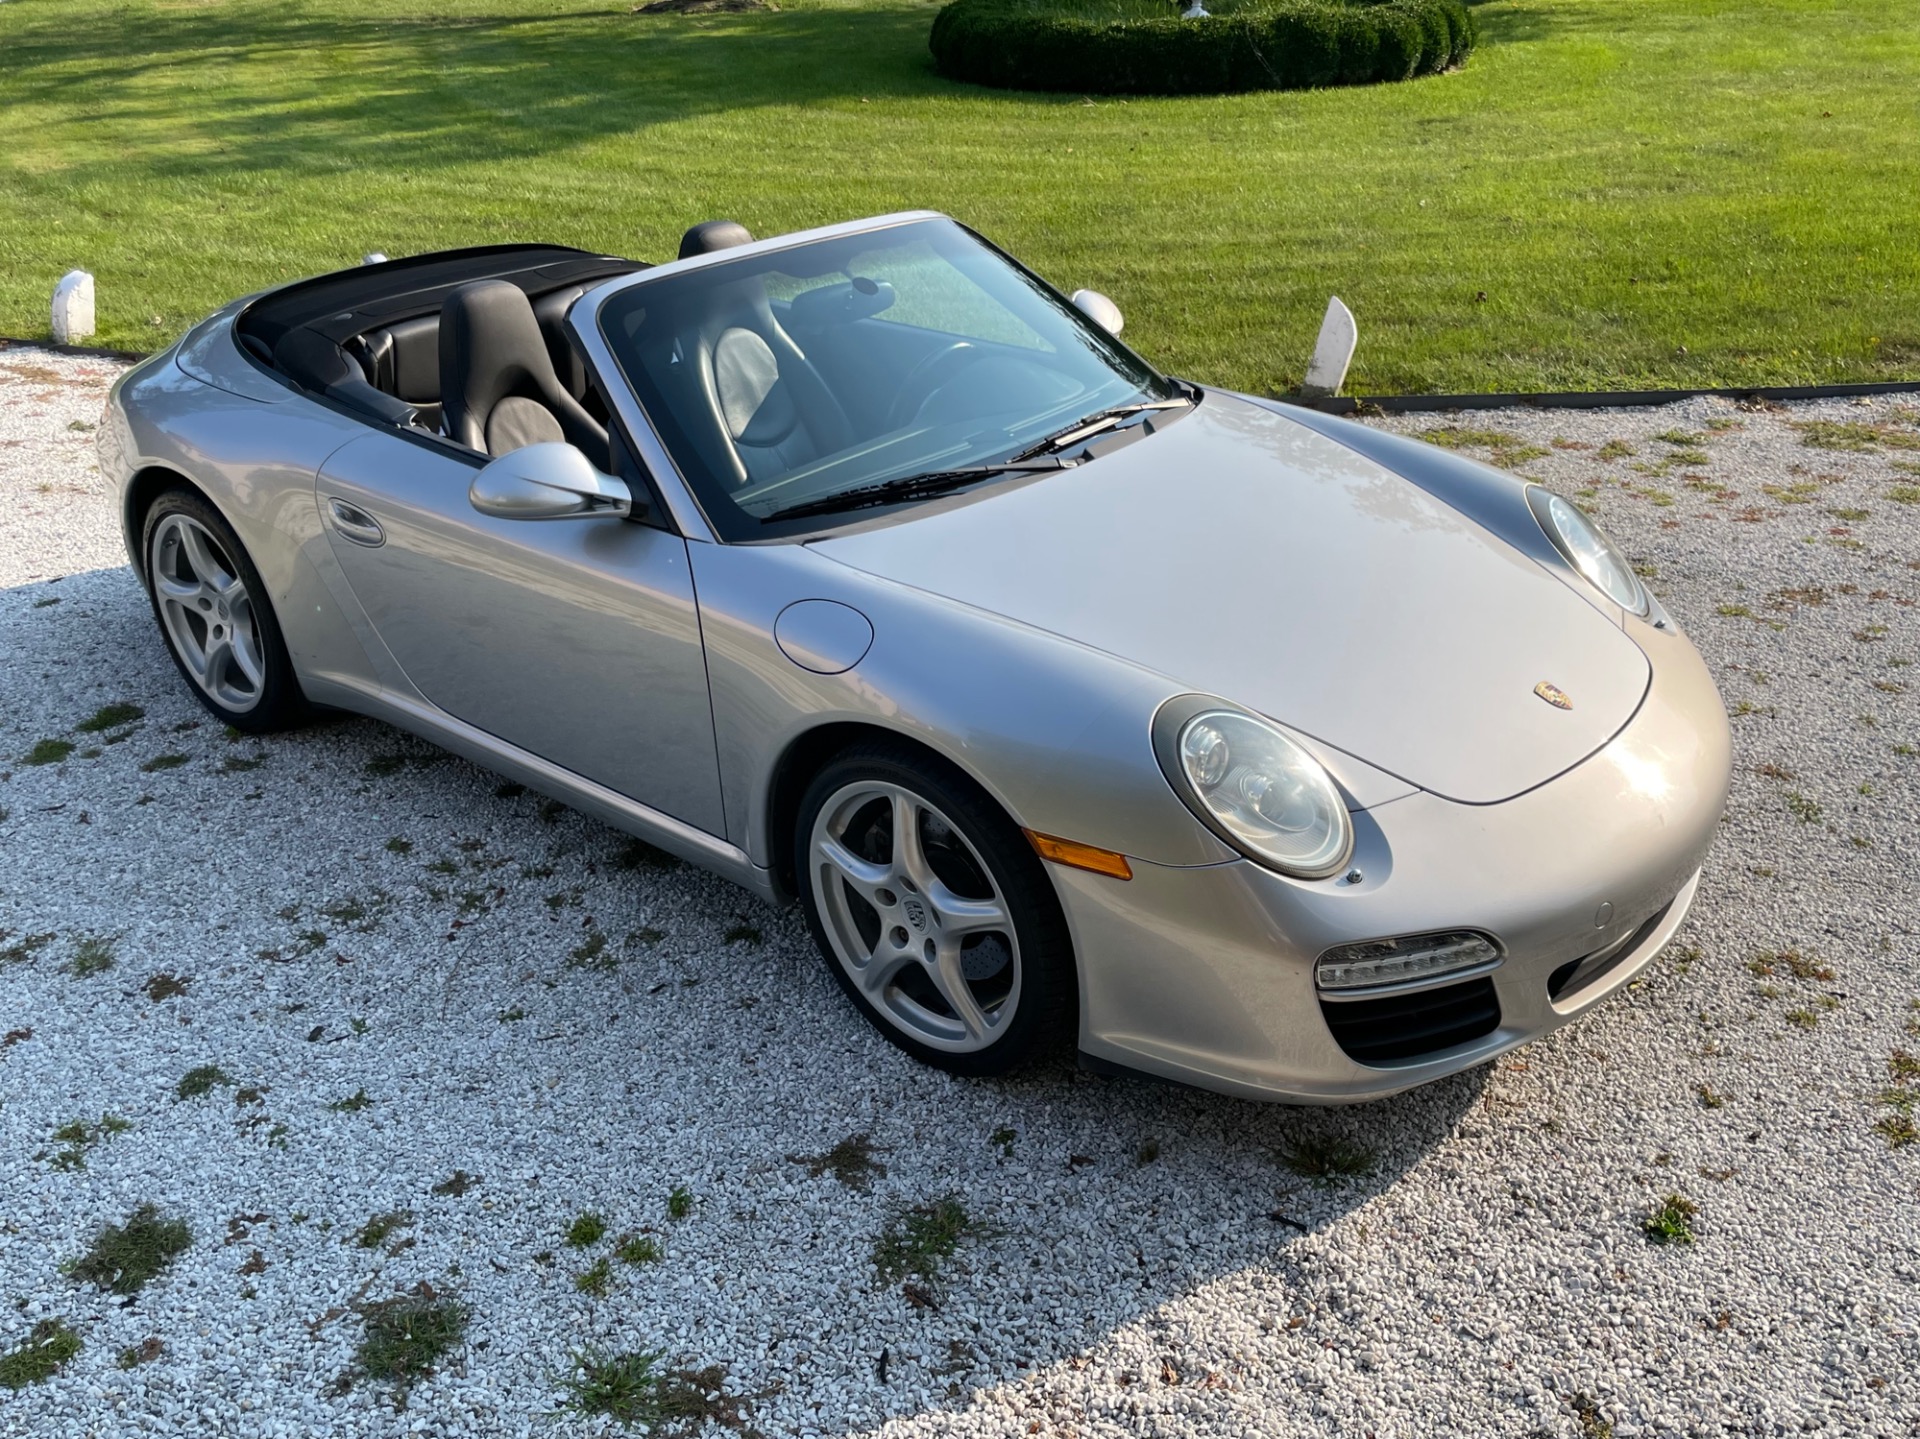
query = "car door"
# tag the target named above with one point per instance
(578, 640)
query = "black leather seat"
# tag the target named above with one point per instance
(769, 410)
(776, 411)
(551, 311)
(403, 359)
(498, 389)
(314, 362)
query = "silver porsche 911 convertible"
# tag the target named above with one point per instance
(1240, 745)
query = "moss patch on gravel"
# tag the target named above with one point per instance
(1326, 1157)
(165, 986)
(145, 1352)
(637, 1249)
(406, 1336)
(632, 1390)
(198, 1081)
(111, 716)
(920, 1239)
(1507, 450)
(1671, 1221)
(1898, 1130)
(586, 1230)
(374, 1232)
(1855, 438)
(39, 1356)
(47, 751)
(596, 1279)
(80, 1136)
(850, 1161)
(124, 1258)
(22, 949)
(93, 955)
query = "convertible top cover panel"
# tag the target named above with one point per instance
(346, 302)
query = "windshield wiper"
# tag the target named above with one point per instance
(911, 487)
(1102, 420)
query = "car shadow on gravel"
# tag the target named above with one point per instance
(513, 991)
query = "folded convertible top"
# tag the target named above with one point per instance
(345, 303)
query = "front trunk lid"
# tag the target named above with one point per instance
(1243, 555)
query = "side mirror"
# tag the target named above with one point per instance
(1099, 309)
(550, 481)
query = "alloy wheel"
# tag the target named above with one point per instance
(914, 917)
(207, 612)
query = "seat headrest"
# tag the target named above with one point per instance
(711, 235)
(488, 311)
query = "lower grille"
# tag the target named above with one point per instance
(1404, 1026)
(1576, 974)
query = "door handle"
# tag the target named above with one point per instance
(355, 523)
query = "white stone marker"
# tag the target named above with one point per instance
(373, 257)
(73, 308)
(1332, 352)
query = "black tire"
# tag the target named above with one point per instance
(278, 703)
(1047, 996)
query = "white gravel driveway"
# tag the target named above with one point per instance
(404, 971)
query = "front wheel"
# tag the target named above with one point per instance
(213, 610)
(933, 911)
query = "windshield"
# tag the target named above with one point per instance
(780, 381)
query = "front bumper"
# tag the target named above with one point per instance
(1204, 974)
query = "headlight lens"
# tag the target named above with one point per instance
(1258, 790)
(1587, 550)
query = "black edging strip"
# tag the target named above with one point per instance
(7, 342)
(1591, 399)
(1362, 404)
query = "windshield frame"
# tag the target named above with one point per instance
(702, 494)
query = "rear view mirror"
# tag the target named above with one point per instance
(550, 481)
(1099, 309)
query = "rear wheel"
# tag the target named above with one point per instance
(213, 610)
(933, 912)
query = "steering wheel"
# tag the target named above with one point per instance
(930, 374)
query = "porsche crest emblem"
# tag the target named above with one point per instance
(1553, 695)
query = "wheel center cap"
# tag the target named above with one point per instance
(916, 912)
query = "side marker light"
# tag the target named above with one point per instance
(1075, 855)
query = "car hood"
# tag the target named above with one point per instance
(1243, 555)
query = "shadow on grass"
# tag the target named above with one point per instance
(254, 87)
(1514, 21)
(271, 87)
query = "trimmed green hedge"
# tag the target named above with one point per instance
(1145, 47)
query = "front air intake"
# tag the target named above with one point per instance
(1400, 1027)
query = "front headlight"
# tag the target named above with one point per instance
(1254, 787)
(1588, 551)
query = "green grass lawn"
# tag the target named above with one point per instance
(1612, 193)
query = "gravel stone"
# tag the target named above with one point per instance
(1489, 1277)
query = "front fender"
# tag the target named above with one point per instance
(1055, 732)
(1492, 499)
